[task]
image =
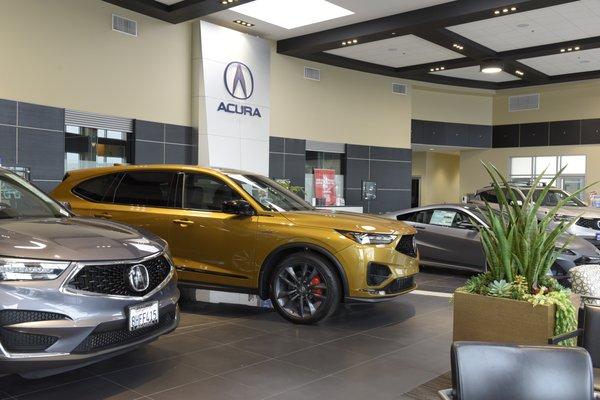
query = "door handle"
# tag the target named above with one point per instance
(104, 215)
(183, 221)
(421, 228)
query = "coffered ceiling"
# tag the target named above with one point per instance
(534, 41)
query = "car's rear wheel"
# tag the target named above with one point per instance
(304, 288)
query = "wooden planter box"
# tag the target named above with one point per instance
(492, 319)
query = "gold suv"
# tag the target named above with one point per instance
(241, 232)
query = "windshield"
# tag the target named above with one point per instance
(20, 199)
(270, 195)
(554, 197)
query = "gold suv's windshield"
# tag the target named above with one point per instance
(270, 195)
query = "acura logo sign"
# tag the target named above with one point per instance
(239, 83)
(239, 80)
(138, 278)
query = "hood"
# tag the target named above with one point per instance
(585, 212)
(348, 221)
(74, 239)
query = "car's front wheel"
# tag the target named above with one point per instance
(305, 288)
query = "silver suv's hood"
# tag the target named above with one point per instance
(75, 239)
(585, 212)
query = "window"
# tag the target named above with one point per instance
(525, 169)
(489, 196)
(91, 147)
(95, 189)
(328, 161)
(203, 192)
(150, 188)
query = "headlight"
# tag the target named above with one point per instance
(15, 269)
(563, 218)
(369, 238)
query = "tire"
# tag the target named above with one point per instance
(312, 296)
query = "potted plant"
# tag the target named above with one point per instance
(516, 301)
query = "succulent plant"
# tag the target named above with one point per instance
(500, 288)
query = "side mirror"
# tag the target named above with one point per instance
(238, 207)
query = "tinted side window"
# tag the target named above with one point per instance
(489, 196)
(151, 188)
(406, 217)
(203, 192)
(423, 217)
(96, 189)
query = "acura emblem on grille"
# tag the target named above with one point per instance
(138, 277)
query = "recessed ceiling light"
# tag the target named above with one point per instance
(497, 12)
(505, 10)
(431, 149)
(243, 23)
(513, 9)
(225, 2)
(520, 73)
(562, 50)
(491, 66)
(290, 14)
(576, 47)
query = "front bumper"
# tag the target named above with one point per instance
(400, 280)
(82, 329)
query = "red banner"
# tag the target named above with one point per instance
(325, 186)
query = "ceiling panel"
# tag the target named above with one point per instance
(566, 63)
(397, 52)
(474, 74)
(363, 11)
(566, 22)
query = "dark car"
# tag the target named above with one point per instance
(448, 236)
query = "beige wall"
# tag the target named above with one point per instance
(345, 106)
(567, 101)
(445, 104)
(440, 178)
(64, 53)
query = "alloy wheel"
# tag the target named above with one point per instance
(300, 290)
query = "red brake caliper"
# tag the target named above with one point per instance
(314, 282)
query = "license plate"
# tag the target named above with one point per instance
(143, 315)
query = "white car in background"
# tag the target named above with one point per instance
(586, 219)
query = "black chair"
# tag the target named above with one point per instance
(487, 371)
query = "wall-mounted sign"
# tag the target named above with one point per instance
(369, 190)
(233, 110)
(325, 189)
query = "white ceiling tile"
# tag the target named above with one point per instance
(566, 63)
(473, 73)
(397, 52)
(565, 22)
(364, 10)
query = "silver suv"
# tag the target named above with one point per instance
(74, 291)
(587, 219)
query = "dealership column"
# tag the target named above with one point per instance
(231, 98)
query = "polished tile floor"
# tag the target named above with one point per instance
(226, 352)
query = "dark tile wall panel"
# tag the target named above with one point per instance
(390, 168)
(276, 165)
(294, 146)
(149, 152)
(41, 117)
(8, 145)
(505, 136)
(534, 134)
(451, 134)
(276, 144)
(8, 112)
(287, 159)
(357, 151)
(158, 143)
(357, 171)
(147, 130)
(180, 134)
(565, 133)
(43, 152)
(590, 131)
